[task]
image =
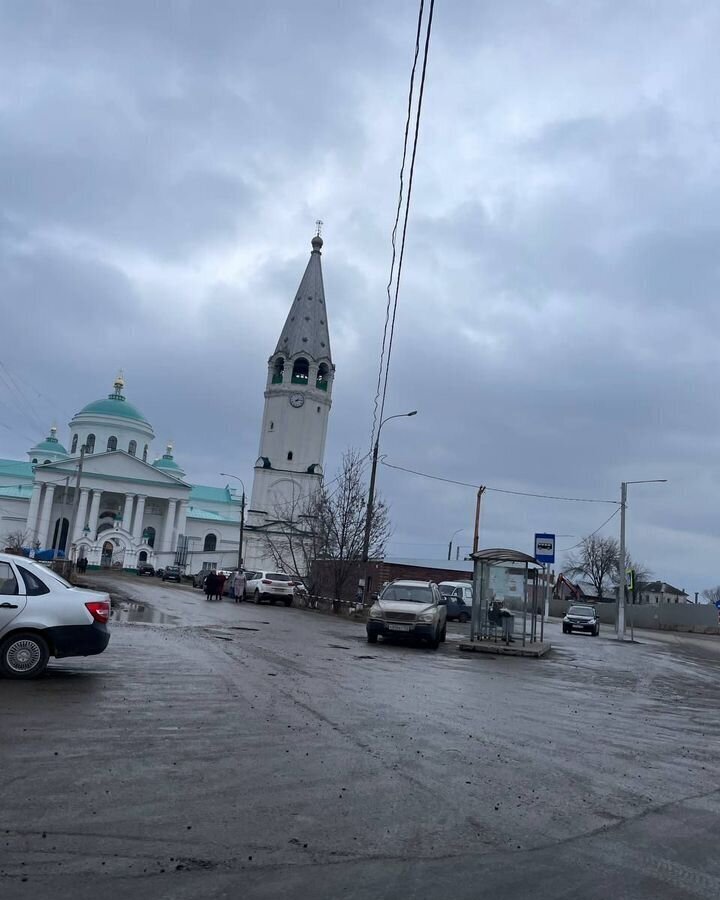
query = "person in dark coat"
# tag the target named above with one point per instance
(221, 579)
(210, 585)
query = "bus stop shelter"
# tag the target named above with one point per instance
(495, 614)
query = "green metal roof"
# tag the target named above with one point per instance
(167, 462)
(114, 405)
(194, 512)
(18, 491)
(16, 468)
(210, 494)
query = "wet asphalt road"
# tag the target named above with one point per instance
(234, 751)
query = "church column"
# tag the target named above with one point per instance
(34, 508)
(81, 515)
(168, 529)
(181, 518)
(127, 512)
(138, 523)
(44, 523)
(94, 514)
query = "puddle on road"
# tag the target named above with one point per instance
(129, 611)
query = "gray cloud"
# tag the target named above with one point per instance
(161, 170)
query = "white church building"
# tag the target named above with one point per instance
(134, 508)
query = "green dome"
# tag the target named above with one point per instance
(52, 446)
(113, 405)
(168, 463)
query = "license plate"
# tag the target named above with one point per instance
(399, 627)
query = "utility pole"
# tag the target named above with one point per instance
(476, 537)
(76, 504)
(242, 529)
(621, 565)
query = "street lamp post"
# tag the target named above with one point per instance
(621, 560)
(371, 497)
(451, 541)
(242, 516)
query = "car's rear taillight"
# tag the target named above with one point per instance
(266, 581)
(99, 610)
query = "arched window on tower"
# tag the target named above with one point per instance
(300, 371)
(73, 448)
(112, 442)
(35, 460)
(132, 448)
(90, 444)
(278, 369)
(210, 543)
(145, 452)
(322, 377)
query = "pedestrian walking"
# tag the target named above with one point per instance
(210, 585)
(221, 579)
(239, 586)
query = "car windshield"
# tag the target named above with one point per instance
(581, 611)
(447, 590)
(413, 593)
(278, 576)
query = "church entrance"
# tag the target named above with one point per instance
(107, 555)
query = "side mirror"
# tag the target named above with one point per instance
(375, 597)
(443, 600)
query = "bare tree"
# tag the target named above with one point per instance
(328, 525)
(711, 595)
(14, 541)
(596, 559)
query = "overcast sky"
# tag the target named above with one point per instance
(161, 169)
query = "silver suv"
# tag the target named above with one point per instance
(409, 609)
(42, 615)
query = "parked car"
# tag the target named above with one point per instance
(172, 573)
(271, 586)
(145, 569)
(42, 615)
(459, 596)
(198, 579)
(409, 609)
(581, 618)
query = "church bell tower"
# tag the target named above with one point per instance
(298, 396)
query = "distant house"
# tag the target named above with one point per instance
(661, 592)
(581, 591)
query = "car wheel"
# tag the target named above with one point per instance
(443, 634)
(256, 596)
(273, 601)
(372, 638)
(435, 642)
(565, 631)
(24, 655)
(597, 631)
(463, 617)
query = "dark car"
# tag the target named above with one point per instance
(172, 573)
(145, 569)
(459, 595)
(581, 618)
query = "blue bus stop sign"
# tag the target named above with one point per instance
(545, 548)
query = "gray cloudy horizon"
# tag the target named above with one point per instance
(162, 167)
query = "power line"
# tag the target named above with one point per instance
(380, 395)
(592, 533)
(498, 490)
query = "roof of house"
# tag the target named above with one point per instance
(661, 587)
(209, 494)
(446, 565)
(196, 512)
(16, 491)
(16, 468)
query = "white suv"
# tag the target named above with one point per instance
(42, 615)
(272, 586)
(409, 609)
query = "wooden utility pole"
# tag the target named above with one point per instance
(476, 538)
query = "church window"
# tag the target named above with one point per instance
(90, 444)
(290, 456)
(35, 459)
(112, 443)
(145, 453)
(300, 371)
(132, 448)
(318, 409)
(210, 543)
(278, 369)
(74, 444)
(46, 461)
(272, 425)
(322, 377)
(149, 535)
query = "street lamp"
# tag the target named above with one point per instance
(451, 541)
(371, 495)
(242, 516)
(621, 561)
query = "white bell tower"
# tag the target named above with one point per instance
(298, 396)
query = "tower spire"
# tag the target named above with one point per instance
(306, 330)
